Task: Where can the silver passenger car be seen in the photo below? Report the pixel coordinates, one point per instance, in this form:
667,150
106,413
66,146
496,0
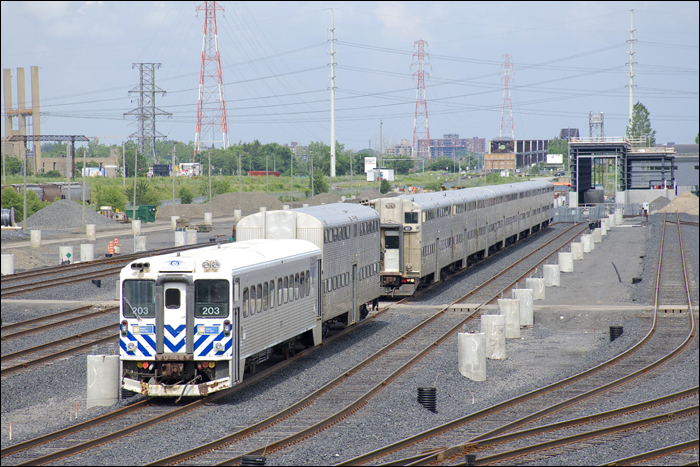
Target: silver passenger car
348,236
424,236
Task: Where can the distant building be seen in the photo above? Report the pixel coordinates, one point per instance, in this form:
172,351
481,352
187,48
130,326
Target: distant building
403,149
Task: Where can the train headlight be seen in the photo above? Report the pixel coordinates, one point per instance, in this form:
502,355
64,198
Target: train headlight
131,346
218,346
206,265
215,265
409,266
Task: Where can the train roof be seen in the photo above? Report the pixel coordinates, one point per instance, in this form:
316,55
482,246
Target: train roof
447,197
231,256
339,213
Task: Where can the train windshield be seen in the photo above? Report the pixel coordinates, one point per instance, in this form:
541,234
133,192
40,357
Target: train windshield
211,298
139,298
391,242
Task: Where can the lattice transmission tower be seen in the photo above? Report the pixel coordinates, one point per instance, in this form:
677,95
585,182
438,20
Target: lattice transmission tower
212,125
146,111
507,109
420,128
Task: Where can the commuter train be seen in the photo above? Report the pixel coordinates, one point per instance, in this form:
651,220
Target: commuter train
425,236
192,322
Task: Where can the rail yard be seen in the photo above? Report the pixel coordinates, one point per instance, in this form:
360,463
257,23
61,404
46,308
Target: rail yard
566,394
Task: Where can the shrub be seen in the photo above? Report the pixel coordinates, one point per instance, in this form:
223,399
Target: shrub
186,196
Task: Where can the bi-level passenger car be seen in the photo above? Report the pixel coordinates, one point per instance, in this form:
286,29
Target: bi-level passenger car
424,236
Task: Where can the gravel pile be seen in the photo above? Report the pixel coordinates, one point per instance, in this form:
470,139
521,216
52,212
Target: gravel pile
66,214
687,203
658,204
322,198
223,206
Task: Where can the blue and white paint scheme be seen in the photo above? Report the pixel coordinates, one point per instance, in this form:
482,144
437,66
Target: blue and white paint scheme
192,321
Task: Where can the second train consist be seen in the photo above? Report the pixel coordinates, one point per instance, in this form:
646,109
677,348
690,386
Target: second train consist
191,323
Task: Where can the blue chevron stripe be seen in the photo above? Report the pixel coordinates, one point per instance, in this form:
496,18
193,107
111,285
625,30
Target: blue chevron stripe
174,331
200,341
149,341
226,348
174,347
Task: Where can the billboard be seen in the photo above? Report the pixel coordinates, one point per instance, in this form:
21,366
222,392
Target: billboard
555,158
370,163
501,147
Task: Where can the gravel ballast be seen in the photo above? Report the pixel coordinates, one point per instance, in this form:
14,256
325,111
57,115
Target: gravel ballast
37,402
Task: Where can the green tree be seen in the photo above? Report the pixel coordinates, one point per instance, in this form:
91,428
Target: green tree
186,195
385,186
697,138
53,174
145,193
111,195
320,183
640,125
559,146
13,165
12,199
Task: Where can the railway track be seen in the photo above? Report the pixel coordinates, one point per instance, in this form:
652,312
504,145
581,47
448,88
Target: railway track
18,361
673,331
568,235
45,278
52,321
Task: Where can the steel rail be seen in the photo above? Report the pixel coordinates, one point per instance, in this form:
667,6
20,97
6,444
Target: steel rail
657,419
55,324
13,290
460,449
206,400
175,413
538,392
20,366
427,457
5,327
650,455
67,268
352,407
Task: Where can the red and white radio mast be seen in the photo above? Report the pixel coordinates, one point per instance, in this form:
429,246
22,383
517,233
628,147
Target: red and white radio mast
423,148
211,115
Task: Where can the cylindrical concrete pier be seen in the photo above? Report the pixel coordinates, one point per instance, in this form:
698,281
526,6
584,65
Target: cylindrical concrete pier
587,241
566,262
179,238
139,243
136,227
551,275
191,236
173,222
90,233
8,264
510,308
207,218
577,250
471,355
236,215
537,286
87,252
526,306
494,327
66,254
35,238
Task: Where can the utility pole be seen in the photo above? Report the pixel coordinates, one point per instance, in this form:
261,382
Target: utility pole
172,172
123,164
332,77
381,145
631,52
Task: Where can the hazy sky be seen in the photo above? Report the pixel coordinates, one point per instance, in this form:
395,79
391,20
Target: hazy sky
569,58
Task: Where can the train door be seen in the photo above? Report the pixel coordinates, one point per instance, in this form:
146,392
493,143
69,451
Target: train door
354,318
174,315
235,369
392,250
436,276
